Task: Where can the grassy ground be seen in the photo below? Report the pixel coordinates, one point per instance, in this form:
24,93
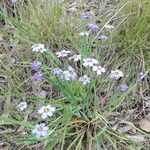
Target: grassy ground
92,117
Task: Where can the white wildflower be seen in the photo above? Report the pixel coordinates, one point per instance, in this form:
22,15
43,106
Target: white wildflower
46,111
89,62
85,33
40,130
38,48
85,79
103,37
75,58
98,69
22,106
107,26
116,74
63,53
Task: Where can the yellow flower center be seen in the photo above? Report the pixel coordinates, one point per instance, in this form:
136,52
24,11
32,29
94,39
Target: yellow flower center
40,129
46,110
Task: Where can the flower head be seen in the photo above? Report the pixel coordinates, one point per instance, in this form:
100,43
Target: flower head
46,111
75,58
22,106
37,76
85,79
116,74
40,130
83,16
92,26
89,62
36,65
109,26
84,33
57,71
103,37
70,74
140,75
63,53
123,87
98,69
38,48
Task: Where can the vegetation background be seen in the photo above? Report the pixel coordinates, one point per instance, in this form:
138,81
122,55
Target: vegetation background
94,117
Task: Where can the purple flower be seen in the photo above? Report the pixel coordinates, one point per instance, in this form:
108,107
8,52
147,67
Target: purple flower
123,87
140,75
70,74
92,26
57,71
37,76
36,65
83,16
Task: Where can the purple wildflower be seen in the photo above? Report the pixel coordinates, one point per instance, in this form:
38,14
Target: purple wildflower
36,65
37,76
123,87
57,71
83,16
92,26
70,74
140,75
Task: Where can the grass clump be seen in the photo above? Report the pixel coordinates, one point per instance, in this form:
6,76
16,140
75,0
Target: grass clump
86,86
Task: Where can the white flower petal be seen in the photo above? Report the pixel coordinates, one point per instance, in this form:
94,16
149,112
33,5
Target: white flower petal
52,109
50,114
44,115
34,131
41,110
44,133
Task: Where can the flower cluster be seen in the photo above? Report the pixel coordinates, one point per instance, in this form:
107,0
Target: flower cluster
36,64
40,130
93,27
70,73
